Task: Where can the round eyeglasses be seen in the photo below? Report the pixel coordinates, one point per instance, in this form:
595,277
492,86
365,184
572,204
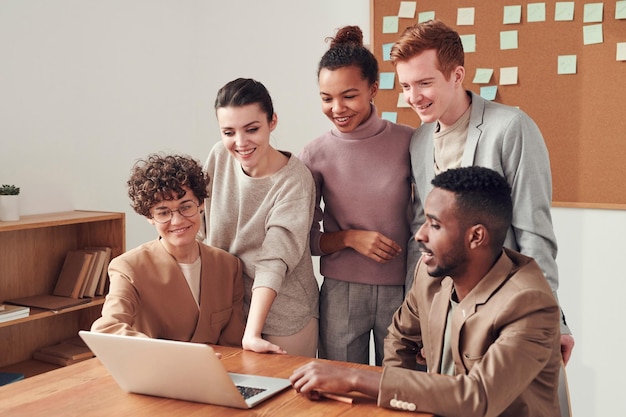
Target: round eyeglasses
164,215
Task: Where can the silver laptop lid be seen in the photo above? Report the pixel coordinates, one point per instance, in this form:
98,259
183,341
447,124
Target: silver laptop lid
173,369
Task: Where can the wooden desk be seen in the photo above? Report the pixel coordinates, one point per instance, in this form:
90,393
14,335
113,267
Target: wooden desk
87,389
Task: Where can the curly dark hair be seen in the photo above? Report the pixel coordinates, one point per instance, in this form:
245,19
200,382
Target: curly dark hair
347,49
482,196
162,177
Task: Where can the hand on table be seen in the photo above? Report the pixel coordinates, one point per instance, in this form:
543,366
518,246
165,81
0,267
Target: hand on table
318,376
260,345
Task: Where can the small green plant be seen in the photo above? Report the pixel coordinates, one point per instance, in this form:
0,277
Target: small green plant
9,190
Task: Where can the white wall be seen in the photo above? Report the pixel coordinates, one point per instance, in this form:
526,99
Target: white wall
87,86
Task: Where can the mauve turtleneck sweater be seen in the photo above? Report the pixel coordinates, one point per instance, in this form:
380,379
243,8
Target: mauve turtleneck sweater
363,178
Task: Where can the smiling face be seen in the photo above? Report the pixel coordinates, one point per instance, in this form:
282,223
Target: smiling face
428,92
179,234
245,133
346,96
441,238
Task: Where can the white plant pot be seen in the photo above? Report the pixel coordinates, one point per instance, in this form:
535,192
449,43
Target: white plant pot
9,208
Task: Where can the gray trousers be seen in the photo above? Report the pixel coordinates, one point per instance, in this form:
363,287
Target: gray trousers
349,312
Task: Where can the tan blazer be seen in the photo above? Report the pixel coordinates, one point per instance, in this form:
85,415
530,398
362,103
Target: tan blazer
149,296
505,344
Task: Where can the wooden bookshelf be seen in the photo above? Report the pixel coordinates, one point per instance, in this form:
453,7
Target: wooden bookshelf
32,251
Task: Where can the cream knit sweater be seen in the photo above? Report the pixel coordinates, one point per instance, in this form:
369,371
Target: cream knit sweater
266,222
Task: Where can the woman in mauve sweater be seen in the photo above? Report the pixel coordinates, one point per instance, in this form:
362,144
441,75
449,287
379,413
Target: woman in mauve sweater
260,208
362,172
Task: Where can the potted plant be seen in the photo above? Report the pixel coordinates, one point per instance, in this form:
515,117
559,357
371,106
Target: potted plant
9,207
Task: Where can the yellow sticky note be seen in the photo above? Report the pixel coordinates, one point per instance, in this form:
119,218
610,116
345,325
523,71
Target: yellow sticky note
620,10
483,75
592,12
592,34
566,64
407,9
508,39
508,76
512,14
536,12
465,16
401,101
621,51
564,11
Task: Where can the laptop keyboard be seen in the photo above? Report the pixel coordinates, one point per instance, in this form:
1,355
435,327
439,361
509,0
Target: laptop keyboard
248,392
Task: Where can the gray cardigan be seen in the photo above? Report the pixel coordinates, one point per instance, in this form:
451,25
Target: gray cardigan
508,141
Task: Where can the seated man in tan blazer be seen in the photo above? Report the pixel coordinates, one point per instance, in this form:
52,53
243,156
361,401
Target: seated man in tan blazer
173,287
482,316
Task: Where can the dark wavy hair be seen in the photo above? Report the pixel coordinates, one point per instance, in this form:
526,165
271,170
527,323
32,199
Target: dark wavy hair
347,49
162,177
243,91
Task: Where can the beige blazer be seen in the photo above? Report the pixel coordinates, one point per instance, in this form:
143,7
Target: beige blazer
149,296
505,343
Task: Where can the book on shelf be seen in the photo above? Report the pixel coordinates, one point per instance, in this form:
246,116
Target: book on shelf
49,302
76,340
68,350
10,312
64,353
82,277
98,275
87,289
57,360
102,281
73,274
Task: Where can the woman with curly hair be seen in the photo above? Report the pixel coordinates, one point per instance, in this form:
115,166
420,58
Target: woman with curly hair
173,287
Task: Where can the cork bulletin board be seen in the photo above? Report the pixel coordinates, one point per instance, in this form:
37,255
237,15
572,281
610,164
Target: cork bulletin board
581,111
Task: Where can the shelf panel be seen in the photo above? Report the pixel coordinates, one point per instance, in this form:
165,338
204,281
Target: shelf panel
38,313
30,367
32,252
36,221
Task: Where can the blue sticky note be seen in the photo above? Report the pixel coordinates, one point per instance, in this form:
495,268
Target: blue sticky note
386,80
592,12
387,51
592,34
489,92
392,116
390,24
564,11
620,9
469,43
426,16
508,39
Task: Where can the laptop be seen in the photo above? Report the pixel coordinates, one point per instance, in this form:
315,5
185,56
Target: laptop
181,370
